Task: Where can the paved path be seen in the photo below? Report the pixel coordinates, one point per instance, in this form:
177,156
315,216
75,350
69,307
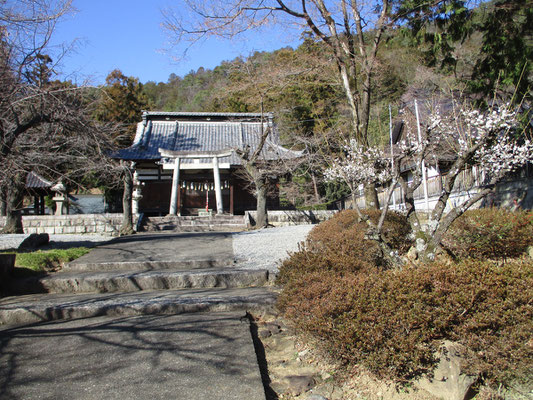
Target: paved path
189,356
149,344
163,247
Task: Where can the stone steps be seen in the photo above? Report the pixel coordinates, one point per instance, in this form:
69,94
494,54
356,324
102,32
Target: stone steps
218,223
197,228
143,274
47,307
155,357
147,265
134,281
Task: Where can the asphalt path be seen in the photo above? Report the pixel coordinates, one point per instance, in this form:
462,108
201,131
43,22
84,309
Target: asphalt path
185,356
162,247
188,356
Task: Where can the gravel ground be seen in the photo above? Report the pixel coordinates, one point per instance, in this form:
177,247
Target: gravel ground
266,248
56,241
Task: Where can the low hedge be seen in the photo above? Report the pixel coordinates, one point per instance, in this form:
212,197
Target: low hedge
393,321
490,233
338,244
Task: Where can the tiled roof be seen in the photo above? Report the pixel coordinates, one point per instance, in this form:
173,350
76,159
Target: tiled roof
201,133
34,181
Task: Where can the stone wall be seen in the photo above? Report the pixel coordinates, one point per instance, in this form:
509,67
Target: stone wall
291,217
79,223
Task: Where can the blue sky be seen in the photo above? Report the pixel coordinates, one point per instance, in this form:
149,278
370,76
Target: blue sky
126,34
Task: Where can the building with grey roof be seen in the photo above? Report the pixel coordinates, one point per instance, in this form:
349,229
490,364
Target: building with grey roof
186,162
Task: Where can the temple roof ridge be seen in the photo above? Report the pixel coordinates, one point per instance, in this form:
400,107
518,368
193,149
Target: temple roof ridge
205,115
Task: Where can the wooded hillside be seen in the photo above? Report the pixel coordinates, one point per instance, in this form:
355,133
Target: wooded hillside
489,50
485,51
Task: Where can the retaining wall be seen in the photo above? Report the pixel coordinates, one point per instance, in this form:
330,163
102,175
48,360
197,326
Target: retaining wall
78,223
291,217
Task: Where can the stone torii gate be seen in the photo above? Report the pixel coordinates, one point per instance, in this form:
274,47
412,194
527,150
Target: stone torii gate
178,156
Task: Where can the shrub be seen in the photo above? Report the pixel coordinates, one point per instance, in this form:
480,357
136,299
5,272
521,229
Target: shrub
392,321
396,229
490,233
339,245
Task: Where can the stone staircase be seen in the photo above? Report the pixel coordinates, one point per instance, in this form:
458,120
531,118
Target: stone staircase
89,289
217,223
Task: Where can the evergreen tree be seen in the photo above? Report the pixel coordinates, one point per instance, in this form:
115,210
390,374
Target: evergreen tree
122,101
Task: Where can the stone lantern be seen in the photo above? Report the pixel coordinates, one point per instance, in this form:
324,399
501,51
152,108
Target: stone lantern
61,198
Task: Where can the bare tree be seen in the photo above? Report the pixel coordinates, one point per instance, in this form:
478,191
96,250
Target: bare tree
352,30
45,125
127,212
253,78
258,175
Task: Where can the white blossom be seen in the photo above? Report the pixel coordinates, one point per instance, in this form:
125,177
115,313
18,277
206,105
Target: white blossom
488,139
466,128
359,165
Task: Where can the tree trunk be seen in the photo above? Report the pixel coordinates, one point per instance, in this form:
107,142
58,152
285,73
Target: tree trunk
262,216
127,216
375,234
371,196
14,199
3,202
315,188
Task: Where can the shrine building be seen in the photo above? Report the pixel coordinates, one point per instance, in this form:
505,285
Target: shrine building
185,163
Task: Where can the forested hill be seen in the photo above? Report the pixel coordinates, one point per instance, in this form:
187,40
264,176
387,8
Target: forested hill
301,85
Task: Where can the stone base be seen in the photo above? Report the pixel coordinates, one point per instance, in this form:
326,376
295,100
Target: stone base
74,223
448,381
292,217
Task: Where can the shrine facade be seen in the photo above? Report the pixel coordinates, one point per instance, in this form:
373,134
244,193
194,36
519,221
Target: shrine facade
186,164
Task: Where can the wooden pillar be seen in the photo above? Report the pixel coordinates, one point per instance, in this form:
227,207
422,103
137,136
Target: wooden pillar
218,189
175,188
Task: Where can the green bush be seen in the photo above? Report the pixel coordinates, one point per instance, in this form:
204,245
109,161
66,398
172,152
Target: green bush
490,233
392,321
315,207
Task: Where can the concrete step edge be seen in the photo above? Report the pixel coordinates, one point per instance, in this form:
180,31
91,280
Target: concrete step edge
196,218
132,281
148,265
40,308
195,223
213,226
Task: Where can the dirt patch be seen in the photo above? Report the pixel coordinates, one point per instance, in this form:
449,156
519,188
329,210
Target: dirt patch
298,370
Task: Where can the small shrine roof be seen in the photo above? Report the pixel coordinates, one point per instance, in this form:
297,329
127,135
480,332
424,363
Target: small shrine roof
35,181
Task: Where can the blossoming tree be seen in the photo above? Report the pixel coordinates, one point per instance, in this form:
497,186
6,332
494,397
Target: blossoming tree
491,140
